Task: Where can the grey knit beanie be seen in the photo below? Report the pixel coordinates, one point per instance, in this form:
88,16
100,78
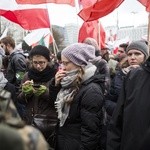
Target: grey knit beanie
79,53
139,45
92,42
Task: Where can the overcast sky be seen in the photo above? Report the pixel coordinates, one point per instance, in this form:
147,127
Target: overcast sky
130,12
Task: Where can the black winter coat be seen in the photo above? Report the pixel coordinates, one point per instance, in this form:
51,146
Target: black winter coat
11,88
82,129
113,94
131,119
39,110
16,68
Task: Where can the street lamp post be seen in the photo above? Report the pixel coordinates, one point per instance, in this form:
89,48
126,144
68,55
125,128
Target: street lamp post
133,15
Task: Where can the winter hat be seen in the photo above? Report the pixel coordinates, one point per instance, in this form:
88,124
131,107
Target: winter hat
40,50
79,53
139,45
92,42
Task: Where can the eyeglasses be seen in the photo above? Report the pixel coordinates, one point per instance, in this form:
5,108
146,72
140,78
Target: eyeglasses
38,62
65,63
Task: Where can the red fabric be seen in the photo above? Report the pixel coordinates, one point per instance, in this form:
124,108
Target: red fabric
91,29
69,2
100,9
86,3
146,3
102,36
115,50
28,19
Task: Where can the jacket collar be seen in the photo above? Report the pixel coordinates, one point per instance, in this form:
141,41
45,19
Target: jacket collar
146,65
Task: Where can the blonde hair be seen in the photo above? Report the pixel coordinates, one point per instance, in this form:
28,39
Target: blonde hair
79,78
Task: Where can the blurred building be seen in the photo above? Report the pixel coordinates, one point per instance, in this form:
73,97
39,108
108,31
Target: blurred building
133,33
71,33
14,30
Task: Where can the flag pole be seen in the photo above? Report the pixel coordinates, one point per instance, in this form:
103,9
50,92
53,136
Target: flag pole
77,7
148,37
54,43
51,32
99,36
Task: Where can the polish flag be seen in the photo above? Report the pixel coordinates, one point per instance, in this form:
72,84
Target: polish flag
29,17
69,2
86,3
146,3
98,10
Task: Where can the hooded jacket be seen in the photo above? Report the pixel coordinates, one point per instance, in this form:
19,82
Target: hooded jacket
16,68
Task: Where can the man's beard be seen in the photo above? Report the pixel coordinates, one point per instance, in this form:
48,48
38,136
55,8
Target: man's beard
6,53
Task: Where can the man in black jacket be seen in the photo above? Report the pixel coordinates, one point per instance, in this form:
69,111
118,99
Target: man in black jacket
131,121
16,63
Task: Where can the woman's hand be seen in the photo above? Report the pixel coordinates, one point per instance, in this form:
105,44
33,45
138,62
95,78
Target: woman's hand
59,75
28,82
27,87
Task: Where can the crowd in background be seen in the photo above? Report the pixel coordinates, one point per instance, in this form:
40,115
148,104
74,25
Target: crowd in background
84,98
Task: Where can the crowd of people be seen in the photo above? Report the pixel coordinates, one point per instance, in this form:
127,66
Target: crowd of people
89,99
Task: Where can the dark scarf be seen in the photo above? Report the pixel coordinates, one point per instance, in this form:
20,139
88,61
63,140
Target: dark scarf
41,76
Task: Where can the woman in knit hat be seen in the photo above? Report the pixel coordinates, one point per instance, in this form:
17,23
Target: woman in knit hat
79,100
130,122
40,111
137,53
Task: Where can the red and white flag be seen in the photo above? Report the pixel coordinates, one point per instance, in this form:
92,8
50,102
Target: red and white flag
99,9
29,17
69,2
146,3
86,3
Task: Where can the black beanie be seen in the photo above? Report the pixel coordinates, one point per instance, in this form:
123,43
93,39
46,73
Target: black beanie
139,45
40,50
